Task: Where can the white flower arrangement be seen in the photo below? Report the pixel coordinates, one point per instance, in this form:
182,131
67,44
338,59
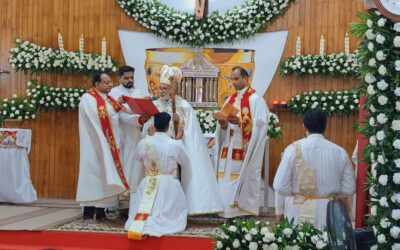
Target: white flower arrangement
237,23
208,123
342,102
250,234
379,69
341,64
32,58
40,97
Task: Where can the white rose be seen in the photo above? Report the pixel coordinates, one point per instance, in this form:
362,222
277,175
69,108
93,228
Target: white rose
381,22
382,100
397,105
397,162
382,119
396,41
380,39
232,228
253,246
396,178
381,159
380,55
374,210
380,135
254,231
383,179
372,121
396,144
248,237
369,78
371,90
382,70
396,125
236,243
370,46
394,232
219,245
372,140
370,35
397,65
287,232
396,27
273,246
372,62
383,202
395,198
264,230
369,23
396,214
382,85
381,238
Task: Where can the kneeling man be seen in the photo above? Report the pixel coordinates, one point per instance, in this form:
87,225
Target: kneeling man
159,207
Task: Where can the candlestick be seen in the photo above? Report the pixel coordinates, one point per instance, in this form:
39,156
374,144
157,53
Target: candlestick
81,44
60,42
322,46
347,45
104,48
298,46
275,105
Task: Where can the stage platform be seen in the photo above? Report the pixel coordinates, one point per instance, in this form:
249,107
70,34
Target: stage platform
58,224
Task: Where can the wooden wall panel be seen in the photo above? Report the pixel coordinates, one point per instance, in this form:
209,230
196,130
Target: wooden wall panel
55,151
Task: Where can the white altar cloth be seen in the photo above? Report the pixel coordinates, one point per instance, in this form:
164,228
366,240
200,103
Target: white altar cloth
15,182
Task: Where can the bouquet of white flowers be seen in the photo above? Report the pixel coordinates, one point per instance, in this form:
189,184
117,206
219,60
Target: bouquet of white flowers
208,123
274,131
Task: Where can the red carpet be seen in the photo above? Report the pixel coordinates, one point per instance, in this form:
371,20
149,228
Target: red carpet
55,240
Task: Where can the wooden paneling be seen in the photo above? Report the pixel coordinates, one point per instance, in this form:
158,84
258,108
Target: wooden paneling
55,152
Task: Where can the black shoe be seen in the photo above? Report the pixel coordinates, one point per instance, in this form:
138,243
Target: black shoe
100,213
88,213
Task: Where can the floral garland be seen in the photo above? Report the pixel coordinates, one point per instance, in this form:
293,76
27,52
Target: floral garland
30,57
40,97
252,235
380,57
327,65
208,123
237,23
342,102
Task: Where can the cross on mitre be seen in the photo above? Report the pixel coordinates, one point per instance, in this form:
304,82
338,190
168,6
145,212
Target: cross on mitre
201,9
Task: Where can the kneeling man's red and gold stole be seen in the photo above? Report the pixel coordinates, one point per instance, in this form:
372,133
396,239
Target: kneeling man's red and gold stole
107,129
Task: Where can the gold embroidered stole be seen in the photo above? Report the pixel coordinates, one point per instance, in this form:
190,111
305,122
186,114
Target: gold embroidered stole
107,130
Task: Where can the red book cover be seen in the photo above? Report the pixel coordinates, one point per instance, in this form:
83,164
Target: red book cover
141,106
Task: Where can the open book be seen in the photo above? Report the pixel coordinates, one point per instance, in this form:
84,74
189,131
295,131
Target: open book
141,106
228,110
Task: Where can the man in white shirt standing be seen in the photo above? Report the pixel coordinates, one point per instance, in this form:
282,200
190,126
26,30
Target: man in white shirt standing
101,171
130,135
311,171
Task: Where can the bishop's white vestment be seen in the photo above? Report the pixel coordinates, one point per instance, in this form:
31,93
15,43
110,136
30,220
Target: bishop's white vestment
199,181
130,137
239,155
159,206
312,170
101,173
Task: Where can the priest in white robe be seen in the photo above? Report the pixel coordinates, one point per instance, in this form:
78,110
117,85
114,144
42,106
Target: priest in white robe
130,135
239,149
311,171
159,207
101,172
198,182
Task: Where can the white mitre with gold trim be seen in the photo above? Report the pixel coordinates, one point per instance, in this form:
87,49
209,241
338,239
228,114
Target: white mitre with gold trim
170,74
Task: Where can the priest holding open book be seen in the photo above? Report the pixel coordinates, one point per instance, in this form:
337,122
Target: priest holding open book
240,142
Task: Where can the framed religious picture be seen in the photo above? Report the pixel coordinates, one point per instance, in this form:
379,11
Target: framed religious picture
389,8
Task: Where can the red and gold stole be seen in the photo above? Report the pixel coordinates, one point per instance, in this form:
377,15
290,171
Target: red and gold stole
107,130
245,113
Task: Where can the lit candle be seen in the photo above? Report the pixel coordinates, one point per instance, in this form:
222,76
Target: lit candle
104,48
298,46
60,42
347,45
275,104
81,44
322,46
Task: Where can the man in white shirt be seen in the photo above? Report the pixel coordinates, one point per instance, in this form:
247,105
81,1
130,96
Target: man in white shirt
239,149
159,208
130,135
101,171
311,171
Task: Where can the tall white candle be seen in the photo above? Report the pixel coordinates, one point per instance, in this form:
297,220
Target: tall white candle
298,46
81,44
104,48
60,42
347,45
322,46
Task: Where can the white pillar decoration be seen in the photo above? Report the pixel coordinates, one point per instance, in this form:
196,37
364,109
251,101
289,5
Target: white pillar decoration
60,42
298,46
104,48
81,44
322,46
347,45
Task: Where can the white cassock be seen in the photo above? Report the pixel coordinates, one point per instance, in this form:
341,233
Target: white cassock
334,174
130,137
198,182
238,163
160,198
99,182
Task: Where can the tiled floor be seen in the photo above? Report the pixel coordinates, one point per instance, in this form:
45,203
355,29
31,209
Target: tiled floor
66,215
